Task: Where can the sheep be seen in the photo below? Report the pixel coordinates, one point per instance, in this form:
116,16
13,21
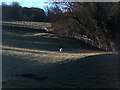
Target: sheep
61,50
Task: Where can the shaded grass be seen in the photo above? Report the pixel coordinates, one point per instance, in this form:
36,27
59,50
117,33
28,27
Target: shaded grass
30,59
44,41
33,76
98,71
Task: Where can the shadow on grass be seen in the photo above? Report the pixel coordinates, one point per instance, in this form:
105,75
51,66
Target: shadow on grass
33,76
100,71
17,71
43,43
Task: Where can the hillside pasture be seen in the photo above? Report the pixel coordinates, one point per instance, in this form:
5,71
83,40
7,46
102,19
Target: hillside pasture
33,60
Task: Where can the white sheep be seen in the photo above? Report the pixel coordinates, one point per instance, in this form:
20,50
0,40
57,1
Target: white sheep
60,49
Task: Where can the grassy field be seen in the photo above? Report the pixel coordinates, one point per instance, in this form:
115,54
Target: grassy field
36,25
33,60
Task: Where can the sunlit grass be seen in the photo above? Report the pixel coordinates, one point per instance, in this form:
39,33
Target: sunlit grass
45,56
47,35
22,43
28,24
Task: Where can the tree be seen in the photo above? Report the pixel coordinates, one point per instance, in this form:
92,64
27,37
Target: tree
15,10
98,21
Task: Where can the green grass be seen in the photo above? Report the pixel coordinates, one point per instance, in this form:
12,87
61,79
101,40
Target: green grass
29,57
43,41
25,39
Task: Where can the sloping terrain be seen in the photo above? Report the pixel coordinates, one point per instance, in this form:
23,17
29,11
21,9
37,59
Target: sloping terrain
33,60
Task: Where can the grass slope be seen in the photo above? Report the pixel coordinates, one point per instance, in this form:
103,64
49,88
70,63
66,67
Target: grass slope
33,60
44,41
